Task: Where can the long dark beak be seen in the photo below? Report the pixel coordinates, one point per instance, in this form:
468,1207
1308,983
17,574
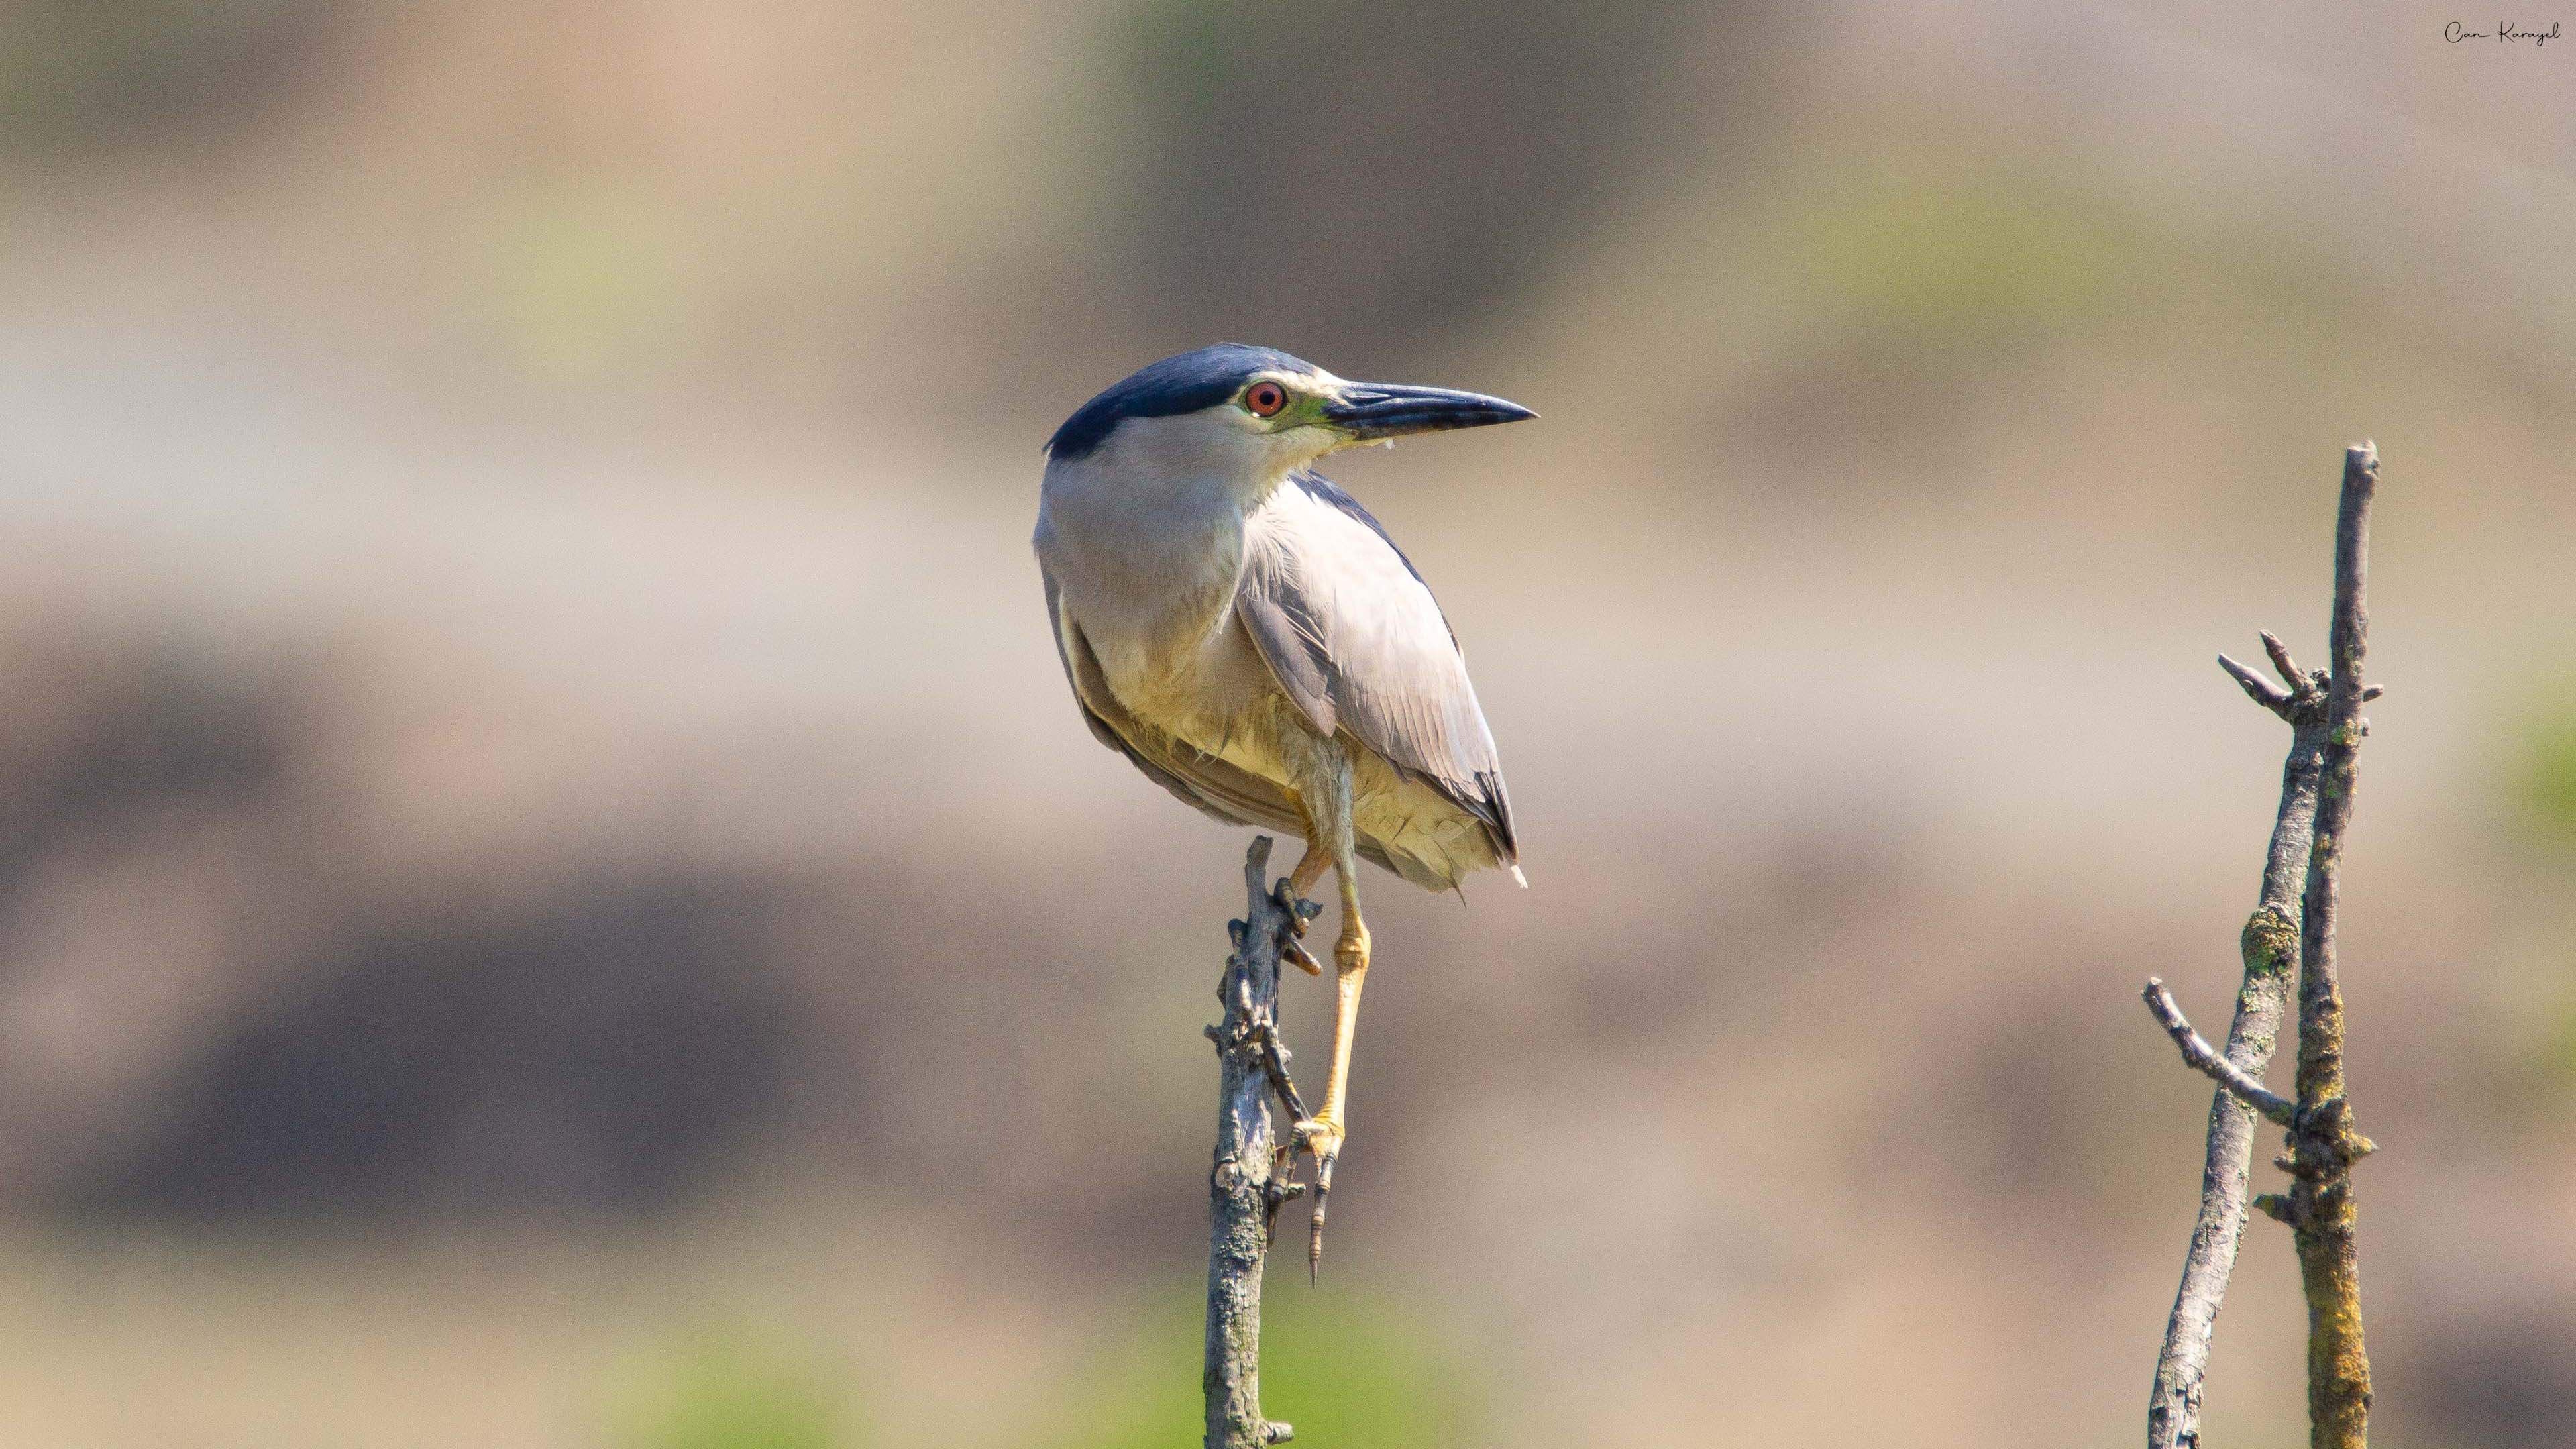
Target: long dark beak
1368,411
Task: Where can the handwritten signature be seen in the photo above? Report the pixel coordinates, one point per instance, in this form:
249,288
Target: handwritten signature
2505,31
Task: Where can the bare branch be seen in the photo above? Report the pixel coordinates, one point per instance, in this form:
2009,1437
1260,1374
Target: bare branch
2271,947
1248,1183
2263,691
2306,855
2287,667
2322,1212
2201,1057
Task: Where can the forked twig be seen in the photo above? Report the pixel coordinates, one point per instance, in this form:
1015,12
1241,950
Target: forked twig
2288,940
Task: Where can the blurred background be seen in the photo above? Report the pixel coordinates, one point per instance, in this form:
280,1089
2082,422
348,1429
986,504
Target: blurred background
552,893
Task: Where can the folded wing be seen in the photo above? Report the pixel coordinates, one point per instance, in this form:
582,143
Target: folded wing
1355,638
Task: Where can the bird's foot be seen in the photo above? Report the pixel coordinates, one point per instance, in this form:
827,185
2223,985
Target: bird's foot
1322,1136
1300,912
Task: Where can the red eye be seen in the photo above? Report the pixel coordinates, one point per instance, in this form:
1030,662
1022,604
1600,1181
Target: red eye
1265,399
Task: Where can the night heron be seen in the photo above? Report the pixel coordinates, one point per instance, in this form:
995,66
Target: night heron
1250,638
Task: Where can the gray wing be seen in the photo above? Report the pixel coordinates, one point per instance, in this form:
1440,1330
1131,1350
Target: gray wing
1202,782
1354,637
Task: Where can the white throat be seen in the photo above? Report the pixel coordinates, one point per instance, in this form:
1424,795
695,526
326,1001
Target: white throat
1144,534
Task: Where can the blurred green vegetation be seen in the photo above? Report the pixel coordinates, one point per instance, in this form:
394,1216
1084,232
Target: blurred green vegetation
2556,1060
2539,806
731,1387
2543,782
1347,1369
581,273
1959,258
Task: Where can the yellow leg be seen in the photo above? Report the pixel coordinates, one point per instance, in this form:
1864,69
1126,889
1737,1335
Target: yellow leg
1323,1133
1310,867
1351,955
1322,775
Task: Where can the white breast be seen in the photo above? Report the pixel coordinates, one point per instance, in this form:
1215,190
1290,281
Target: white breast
1145,540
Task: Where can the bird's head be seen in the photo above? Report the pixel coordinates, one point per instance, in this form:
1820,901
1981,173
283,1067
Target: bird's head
1254,414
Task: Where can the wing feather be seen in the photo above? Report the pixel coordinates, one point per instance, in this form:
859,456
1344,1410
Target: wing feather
1354,637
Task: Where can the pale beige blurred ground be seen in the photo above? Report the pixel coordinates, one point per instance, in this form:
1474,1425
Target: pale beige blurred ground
539,828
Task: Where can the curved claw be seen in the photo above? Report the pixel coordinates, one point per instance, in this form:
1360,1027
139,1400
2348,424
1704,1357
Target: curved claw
1294,952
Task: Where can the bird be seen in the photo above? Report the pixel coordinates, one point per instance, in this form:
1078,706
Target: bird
1252,640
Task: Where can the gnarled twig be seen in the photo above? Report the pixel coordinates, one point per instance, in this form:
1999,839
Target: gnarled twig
1248,1182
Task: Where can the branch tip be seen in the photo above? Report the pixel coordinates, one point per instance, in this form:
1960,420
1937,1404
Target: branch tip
2262,691
2282,664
